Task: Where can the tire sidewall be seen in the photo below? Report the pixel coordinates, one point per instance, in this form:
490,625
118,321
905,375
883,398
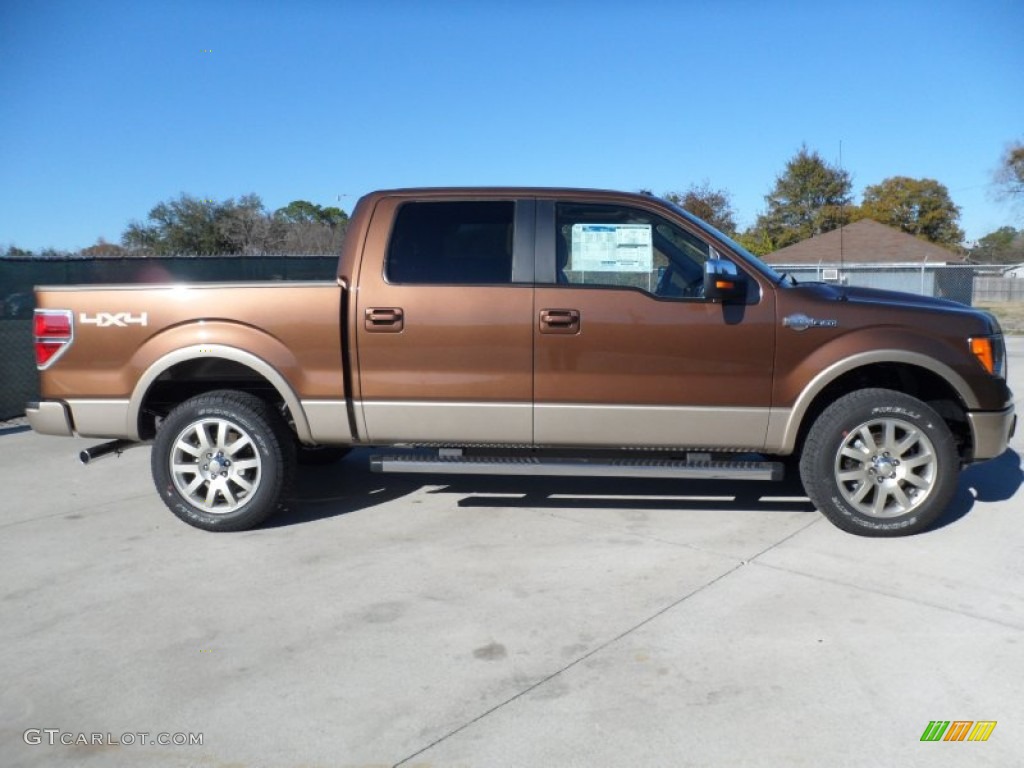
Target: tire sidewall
260,504
832,429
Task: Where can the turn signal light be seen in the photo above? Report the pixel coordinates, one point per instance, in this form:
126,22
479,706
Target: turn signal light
990,353
54,332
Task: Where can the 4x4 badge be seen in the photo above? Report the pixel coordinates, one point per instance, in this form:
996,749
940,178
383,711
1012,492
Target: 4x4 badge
802,322
113,319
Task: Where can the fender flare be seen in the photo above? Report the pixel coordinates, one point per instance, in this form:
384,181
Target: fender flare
196,351
784,423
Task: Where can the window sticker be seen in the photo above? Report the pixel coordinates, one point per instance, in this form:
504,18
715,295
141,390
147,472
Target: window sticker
611,248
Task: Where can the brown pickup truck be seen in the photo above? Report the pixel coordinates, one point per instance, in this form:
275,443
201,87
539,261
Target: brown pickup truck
531,332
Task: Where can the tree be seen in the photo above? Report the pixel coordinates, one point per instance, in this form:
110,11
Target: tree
333,216
249,229
756,241
194,226
305,212
312,229
920,207
1010,176
102,249
187,225
13,252
52,253
299,212
809,198
1004,246
712,205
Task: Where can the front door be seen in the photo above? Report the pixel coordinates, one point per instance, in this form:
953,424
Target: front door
628,353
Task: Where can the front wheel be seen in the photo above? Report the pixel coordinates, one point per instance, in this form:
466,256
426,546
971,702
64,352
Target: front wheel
880,463
222,460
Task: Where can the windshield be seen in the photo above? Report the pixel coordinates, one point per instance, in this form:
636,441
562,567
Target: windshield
753,260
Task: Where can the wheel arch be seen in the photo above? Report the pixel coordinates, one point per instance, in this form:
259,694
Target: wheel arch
168,381
912,373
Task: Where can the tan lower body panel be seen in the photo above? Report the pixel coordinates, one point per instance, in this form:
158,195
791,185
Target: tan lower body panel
328,421
642,426
991,432
783,427
595,426
457,423
102,418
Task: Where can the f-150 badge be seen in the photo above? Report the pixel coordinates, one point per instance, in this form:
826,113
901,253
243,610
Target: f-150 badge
113,319
801,322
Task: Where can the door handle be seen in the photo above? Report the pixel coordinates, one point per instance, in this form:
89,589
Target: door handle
384,320
559,321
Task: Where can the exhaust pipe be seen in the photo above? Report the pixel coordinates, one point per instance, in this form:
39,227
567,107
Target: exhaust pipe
105,449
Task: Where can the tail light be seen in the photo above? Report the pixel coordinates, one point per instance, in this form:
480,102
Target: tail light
54,332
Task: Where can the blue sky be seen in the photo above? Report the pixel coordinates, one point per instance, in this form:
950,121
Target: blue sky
109,108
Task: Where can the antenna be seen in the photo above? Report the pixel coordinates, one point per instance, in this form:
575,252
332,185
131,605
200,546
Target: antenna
842,215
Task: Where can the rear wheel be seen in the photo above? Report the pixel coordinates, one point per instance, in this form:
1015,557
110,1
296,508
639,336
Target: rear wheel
222,461
880,463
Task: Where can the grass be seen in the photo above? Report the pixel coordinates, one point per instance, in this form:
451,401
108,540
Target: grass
1010,314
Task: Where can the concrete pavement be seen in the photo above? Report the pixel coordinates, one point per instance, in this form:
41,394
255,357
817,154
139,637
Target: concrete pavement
473,621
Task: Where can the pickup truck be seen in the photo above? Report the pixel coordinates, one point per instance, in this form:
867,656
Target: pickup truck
531,332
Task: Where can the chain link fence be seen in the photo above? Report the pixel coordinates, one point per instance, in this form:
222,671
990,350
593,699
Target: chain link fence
19,382
969,285
954,282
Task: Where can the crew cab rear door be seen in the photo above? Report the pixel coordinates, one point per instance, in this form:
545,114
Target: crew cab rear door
628,352
445,321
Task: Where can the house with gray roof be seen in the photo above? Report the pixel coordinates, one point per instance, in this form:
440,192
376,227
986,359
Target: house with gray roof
864,242
874,255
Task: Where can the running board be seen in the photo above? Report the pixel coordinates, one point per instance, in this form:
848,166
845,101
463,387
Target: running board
529,465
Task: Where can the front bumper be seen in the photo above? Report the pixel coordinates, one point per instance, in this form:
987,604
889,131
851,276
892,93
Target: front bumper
991,432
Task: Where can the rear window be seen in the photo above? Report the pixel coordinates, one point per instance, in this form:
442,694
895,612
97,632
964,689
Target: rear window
451,243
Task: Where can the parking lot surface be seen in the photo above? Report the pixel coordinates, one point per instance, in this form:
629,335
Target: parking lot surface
468,621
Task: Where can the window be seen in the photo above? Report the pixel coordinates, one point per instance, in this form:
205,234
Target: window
452,243
610,245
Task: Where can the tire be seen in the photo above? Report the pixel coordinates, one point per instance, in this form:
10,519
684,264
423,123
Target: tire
880,463
238,482
321,455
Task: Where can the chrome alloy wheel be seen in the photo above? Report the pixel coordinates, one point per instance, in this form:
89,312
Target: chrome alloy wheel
886,467
215,465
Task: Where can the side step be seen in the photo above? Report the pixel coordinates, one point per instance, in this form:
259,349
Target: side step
531,465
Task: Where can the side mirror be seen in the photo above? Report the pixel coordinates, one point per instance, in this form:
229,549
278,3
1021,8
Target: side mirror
723,281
